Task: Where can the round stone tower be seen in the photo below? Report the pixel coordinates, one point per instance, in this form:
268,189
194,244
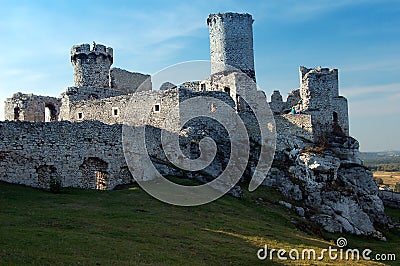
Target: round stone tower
91,66
231,42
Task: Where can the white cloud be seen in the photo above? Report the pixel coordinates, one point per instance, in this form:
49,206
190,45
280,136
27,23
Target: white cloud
365,91
390,65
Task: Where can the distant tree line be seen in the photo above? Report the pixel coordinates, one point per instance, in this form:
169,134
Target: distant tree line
381,160
390,167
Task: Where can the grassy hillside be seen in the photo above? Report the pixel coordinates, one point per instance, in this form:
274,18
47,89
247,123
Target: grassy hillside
128,227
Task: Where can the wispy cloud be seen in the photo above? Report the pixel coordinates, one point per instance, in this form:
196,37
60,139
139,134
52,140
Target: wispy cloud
365,91
387,64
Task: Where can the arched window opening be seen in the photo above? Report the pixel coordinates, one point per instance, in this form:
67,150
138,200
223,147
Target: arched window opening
17,113
50,113
335,117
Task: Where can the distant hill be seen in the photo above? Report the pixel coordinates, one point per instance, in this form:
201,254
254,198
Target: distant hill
382,161
381,154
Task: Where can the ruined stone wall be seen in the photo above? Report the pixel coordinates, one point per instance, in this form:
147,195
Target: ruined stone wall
29,107
340,106
76,153
193,85
299,125
112,110
158,106
74,94
129,82
319,94
185,94
278,106
318,87
231,42
234,83
91,66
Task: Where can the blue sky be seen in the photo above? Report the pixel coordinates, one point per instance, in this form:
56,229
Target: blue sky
361,38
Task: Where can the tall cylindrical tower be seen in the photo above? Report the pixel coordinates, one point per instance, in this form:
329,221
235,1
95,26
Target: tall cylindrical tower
91,66
231,42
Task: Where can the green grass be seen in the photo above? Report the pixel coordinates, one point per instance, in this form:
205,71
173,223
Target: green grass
129,227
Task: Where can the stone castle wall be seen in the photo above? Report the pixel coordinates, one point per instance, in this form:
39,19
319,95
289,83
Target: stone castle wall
340,105
129,82
74,94
112,110
91,66
319,92
278,106
157,106
76,153
299,125
318,87
87,154
231,42
29,107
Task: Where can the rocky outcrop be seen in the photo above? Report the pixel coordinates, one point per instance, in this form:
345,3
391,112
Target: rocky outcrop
329,183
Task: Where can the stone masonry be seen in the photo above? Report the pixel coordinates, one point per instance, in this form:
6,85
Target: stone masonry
76,139
231,42
101,94
91,66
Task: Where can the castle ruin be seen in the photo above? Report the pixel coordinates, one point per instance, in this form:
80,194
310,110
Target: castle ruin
77,137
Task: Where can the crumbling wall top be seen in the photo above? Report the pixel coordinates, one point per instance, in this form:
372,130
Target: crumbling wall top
305,72
212,18
97,49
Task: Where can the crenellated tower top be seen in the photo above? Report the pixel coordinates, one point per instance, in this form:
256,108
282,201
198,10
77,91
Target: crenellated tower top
91,65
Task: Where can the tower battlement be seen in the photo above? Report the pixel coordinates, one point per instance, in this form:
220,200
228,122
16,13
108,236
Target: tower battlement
85,50
91,66
213,18
317,72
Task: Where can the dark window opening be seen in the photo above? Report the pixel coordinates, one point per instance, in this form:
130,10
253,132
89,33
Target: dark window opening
80,115
227,90
335,117
157,108
115,112
17,113
50,113
203,87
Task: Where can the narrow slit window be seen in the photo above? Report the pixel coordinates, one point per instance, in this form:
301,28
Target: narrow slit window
157,108
17,113
115,112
